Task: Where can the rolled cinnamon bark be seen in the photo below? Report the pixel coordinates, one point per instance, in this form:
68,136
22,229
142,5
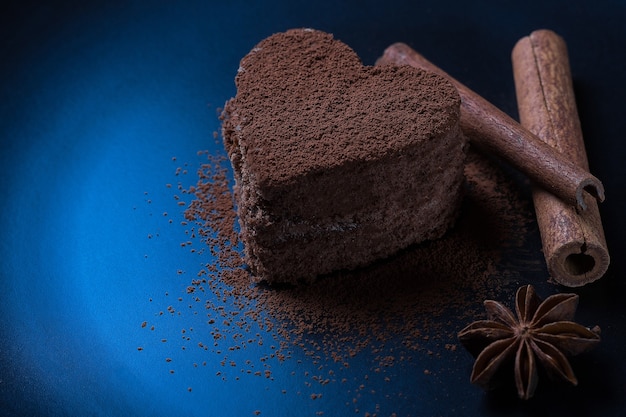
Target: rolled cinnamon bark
491,129
573,241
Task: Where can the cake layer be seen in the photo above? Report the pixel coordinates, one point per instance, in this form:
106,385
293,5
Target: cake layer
397,217
337,164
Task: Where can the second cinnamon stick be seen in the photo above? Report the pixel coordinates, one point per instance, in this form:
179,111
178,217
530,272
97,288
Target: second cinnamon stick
573,241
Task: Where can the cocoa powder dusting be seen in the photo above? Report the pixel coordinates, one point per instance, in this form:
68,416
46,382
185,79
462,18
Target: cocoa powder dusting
323,146
421,296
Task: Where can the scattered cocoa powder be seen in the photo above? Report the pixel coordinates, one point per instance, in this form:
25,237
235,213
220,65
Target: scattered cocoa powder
420,296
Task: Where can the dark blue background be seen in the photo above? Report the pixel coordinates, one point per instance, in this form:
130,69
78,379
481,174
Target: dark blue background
95,100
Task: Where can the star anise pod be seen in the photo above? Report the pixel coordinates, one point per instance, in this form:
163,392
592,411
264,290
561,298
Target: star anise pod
542,332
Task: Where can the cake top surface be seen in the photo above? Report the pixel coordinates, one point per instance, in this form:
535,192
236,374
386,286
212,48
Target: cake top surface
305,102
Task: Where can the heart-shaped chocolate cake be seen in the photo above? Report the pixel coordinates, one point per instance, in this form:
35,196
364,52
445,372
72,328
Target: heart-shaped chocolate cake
338,164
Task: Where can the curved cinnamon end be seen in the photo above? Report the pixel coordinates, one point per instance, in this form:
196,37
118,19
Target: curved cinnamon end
594,187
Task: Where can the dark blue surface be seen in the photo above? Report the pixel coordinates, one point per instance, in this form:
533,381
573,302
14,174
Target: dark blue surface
96,99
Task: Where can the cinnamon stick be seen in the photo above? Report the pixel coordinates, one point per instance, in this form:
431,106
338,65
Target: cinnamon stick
573,241
491,129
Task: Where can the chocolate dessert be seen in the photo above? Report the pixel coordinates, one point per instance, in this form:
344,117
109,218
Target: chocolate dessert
338,164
